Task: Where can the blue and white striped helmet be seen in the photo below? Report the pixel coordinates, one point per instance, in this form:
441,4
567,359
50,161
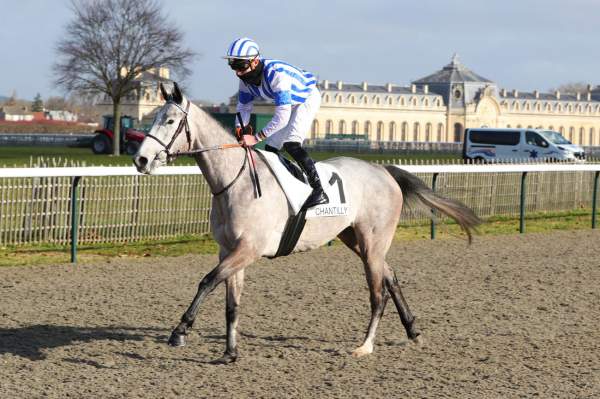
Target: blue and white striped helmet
244,48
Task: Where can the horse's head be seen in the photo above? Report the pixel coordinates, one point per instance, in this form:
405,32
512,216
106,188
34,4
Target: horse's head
169,133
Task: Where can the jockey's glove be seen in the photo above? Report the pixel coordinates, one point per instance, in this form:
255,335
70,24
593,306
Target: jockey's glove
247,130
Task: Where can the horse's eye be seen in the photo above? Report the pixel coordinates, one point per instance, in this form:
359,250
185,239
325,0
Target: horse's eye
170,121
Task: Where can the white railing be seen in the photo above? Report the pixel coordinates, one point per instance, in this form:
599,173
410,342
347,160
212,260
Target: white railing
117,204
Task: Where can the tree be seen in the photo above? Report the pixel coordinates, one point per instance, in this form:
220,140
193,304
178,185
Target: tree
38,104
571,88
110,42
56,103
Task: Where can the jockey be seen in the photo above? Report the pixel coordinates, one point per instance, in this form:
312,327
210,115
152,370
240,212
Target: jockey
297,100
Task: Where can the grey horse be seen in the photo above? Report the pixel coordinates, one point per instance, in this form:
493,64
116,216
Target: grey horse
248,228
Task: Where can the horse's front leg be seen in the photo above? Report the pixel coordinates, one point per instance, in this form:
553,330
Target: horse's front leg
243,255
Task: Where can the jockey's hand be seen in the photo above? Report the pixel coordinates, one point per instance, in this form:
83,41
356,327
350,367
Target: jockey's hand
239,132
248,140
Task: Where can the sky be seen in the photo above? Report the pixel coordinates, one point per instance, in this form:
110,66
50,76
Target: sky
519,44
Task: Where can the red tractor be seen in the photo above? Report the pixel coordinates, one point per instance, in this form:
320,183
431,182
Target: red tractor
131,139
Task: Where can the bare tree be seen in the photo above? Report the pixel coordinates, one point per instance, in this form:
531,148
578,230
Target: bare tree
109,43
571,88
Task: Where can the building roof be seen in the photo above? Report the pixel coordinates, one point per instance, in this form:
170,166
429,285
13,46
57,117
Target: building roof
451,73
358,88
15,110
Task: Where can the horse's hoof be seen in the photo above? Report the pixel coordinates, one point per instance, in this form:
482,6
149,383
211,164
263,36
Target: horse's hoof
176,339
362,351
418,340
227,358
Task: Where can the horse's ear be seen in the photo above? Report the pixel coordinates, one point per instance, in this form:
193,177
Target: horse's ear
164,92
177,96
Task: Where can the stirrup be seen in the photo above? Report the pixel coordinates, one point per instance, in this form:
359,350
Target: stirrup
315,198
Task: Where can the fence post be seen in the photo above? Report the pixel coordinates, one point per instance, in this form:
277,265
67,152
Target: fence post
74,218
433,183
522,207
594,198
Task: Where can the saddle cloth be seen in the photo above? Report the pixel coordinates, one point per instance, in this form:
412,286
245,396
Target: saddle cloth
297,192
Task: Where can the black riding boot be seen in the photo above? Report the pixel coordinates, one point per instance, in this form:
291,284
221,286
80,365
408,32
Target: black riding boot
318,196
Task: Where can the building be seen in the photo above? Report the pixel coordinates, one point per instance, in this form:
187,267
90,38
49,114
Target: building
438,107
15,113
143,100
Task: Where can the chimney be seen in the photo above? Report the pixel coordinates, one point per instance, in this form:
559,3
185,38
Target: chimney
589,96
503,93
365,86
413,88
515,93
340,85
590,87
325,85
578,96
536,93
426,89
557,94
388,87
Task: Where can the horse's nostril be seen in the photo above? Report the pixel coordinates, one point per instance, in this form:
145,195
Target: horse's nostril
142,161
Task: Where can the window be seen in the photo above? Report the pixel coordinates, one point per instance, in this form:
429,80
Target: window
440,132
581,135
571,133
416,131
561,130
402,101
591,140
404,131
352,100
368,129
532,138
329,127
326,98
496,137
392,132
342,127
355,127
458,132
428,132
379,131
314,133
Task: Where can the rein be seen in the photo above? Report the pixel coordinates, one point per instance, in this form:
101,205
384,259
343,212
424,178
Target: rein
183,123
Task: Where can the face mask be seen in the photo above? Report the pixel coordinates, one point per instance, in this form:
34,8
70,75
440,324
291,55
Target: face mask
253,77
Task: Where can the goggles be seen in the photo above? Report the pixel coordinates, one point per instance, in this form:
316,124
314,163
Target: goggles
239,64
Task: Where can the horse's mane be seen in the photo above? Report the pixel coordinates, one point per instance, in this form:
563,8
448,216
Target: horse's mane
211,123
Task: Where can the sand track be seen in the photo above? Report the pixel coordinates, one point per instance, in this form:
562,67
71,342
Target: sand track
512,316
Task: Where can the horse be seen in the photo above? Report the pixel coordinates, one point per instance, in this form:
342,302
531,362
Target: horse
247,227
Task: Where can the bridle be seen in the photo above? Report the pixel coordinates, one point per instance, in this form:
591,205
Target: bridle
183,124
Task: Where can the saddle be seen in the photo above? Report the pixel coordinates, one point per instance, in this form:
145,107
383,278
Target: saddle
291,166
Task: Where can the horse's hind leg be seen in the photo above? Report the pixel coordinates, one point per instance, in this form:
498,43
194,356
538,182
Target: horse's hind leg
372,257
233,288
408,320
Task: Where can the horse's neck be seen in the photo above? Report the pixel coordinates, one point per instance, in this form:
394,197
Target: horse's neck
219,167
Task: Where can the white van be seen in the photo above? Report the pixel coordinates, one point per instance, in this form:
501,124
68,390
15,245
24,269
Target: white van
505,145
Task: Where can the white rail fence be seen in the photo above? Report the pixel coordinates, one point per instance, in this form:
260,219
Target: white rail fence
117,204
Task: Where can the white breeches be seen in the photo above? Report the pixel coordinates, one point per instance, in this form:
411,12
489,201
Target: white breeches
300,122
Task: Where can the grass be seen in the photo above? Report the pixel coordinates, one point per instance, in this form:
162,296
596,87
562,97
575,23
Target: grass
20,156
39,255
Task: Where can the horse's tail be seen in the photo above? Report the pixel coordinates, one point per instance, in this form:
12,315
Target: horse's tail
414,188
